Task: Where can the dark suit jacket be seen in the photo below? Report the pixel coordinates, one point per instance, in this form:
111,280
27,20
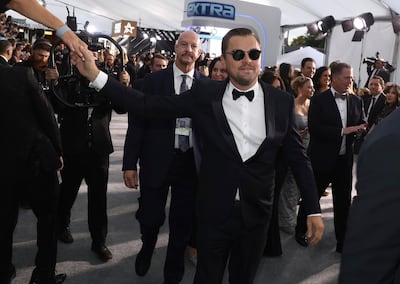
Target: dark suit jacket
371,249
30,136
325,128
377,108
3,61
222,170
77,132
151,141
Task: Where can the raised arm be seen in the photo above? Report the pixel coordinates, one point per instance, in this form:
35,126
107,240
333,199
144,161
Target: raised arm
36,12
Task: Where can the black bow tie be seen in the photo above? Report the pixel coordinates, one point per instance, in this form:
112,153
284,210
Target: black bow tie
249,95
340,96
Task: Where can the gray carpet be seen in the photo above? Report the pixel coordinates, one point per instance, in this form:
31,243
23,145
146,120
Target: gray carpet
319,264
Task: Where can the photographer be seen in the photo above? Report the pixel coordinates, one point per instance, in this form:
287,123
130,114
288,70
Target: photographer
376,67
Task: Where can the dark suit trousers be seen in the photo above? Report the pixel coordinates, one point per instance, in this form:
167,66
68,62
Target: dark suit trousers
341,179
182,180
232,240
42,193
94,169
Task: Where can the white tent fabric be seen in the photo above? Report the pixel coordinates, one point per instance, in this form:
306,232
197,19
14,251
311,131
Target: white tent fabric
295,57
168,14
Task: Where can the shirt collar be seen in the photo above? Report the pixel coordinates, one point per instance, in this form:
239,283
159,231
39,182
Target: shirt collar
178,72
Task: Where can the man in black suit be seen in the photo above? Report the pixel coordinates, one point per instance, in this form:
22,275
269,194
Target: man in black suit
375,100
333,119
371,248
30,162
87,145
242,124
163,164
6,50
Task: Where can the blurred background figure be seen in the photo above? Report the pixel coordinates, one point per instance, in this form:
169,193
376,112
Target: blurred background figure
217,70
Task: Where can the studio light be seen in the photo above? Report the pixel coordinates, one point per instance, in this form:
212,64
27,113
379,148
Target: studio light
363,22
322,26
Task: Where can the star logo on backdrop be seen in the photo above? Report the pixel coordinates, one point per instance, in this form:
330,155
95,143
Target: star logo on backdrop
128,28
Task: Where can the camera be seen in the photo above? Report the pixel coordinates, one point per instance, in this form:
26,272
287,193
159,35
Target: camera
73,89
370,61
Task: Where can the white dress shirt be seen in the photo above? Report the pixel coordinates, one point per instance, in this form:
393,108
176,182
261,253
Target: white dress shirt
342,107
246,119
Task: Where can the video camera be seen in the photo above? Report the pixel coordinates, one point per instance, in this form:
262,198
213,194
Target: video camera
73,88
370,61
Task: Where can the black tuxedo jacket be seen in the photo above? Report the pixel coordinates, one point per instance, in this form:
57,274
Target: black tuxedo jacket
30,137
151,141
325,128
376,109
222,171
372,246
78,132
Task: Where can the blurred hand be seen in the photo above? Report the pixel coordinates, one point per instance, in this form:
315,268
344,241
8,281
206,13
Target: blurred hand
131,179
74,43
85,63
315,229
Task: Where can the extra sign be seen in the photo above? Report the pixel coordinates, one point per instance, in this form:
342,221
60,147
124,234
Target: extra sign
211,9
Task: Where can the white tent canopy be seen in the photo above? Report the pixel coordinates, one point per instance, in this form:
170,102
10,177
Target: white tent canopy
295,57
168,15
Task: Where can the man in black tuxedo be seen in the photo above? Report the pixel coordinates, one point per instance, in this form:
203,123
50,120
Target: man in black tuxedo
154,143
242,124
30,162
371,248
6,50
375,100
333,119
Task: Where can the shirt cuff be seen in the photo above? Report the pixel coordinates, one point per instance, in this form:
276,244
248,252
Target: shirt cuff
315,215
99,82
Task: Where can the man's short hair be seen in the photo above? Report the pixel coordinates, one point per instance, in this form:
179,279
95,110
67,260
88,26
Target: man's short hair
337,68
305,60
236,32
380,79
42,44
159,56
4,45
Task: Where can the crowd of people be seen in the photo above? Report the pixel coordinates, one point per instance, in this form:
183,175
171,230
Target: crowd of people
242,153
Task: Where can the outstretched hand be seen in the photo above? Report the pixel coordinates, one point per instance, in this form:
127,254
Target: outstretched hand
84,60
315,229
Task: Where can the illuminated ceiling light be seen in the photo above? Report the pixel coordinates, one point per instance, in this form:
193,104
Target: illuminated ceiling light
363,22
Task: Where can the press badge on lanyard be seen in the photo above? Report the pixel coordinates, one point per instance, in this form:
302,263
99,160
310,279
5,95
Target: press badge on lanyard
183,126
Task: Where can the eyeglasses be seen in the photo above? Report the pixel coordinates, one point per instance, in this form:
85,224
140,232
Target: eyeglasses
238,54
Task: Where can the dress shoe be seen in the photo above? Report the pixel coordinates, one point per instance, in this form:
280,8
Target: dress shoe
102,252
45,278
301,240
64,235
143,259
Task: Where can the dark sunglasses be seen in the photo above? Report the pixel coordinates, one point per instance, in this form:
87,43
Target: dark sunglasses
238,54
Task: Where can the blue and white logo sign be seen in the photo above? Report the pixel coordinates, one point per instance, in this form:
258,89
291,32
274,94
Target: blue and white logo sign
211,9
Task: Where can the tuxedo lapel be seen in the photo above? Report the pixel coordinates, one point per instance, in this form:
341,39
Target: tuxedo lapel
222,121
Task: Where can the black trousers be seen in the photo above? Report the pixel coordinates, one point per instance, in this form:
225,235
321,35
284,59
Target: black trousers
341,178
94,169
182,181
42,192
232,240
